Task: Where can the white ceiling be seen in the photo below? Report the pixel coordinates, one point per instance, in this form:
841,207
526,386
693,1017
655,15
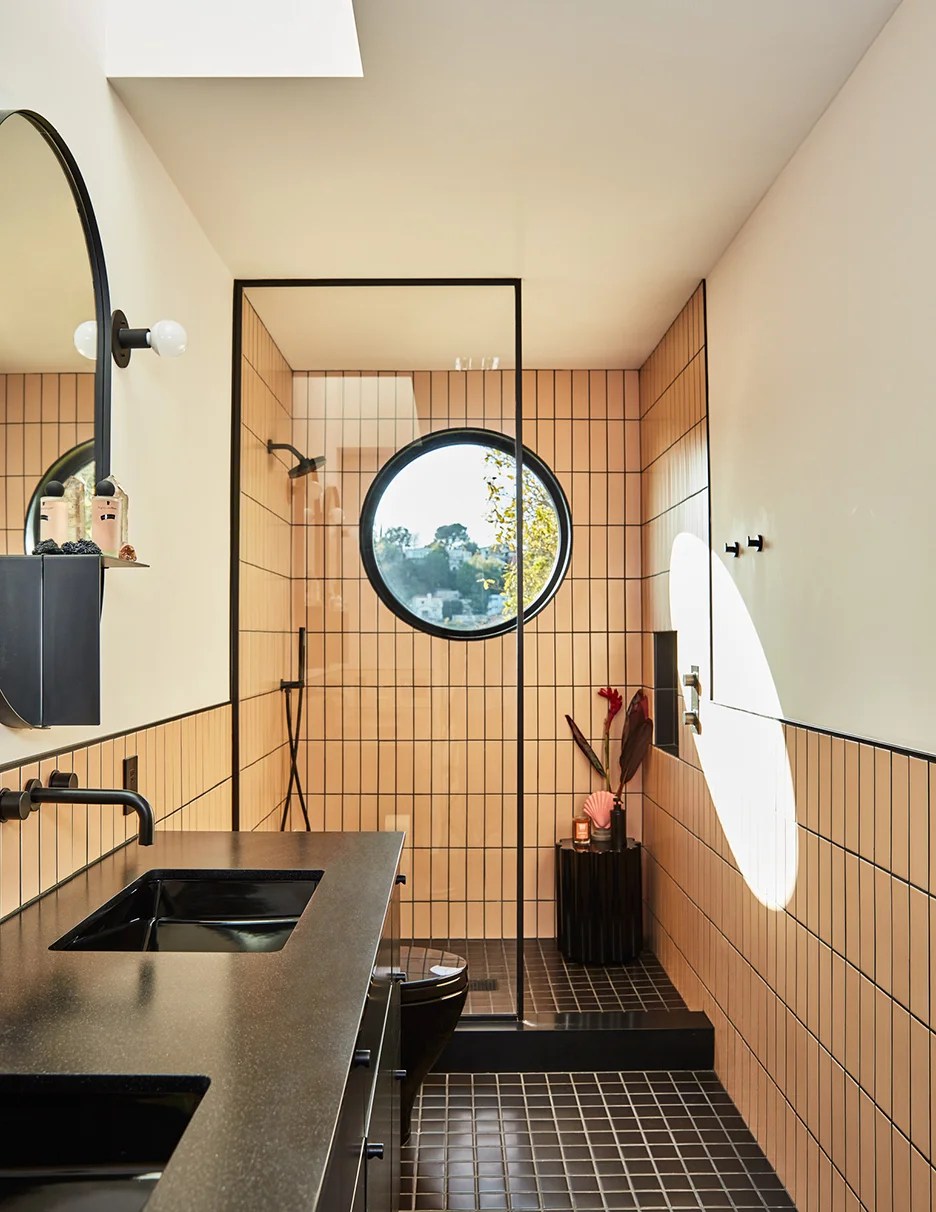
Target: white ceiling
605,151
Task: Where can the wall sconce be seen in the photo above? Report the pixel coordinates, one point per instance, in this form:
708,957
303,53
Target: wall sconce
166,338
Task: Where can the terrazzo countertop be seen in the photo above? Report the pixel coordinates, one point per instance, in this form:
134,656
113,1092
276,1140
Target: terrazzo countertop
274,1033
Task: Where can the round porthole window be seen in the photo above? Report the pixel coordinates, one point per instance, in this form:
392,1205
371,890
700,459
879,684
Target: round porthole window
439,534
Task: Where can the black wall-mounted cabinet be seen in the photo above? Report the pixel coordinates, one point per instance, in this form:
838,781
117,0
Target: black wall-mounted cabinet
50,640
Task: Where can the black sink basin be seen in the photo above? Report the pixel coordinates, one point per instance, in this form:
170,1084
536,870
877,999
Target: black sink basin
197,911
89,1142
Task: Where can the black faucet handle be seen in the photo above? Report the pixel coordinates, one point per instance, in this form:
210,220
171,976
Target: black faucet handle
60,779
15,805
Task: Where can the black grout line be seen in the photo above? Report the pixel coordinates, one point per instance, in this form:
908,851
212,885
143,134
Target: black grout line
806,1029
604,1141
799,921
555,985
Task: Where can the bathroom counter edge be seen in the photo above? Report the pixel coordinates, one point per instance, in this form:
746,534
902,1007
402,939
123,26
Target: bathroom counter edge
274,1033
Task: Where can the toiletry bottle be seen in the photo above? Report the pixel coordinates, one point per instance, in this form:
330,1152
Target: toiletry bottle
618,827
581,832
109,517
53,514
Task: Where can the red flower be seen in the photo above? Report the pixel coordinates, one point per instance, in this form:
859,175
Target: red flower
615,703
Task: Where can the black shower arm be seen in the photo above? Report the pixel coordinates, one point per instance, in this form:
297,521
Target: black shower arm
271,446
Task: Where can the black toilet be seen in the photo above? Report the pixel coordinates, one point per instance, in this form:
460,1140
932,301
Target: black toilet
433,996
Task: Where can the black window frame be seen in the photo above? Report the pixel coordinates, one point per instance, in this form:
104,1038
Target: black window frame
438,440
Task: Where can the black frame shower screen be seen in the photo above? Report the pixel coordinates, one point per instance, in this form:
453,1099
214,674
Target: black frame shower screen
514,284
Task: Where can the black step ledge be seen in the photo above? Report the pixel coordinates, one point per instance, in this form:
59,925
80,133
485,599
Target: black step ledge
615,1040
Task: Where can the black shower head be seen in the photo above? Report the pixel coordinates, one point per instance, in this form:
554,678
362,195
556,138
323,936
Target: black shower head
304,466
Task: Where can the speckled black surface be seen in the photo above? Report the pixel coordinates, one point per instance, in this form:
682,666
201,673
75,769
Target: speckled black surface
274,1033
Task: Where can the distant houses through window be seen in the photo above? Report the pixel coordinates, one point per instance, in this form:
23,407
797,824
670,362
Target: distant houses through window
439,534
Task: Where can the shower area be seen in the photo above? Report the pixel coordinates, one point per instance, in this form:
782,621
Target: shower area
382,674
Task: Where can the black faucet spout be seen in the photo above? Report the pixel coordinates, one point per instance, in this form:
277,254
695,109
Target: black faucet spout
103,795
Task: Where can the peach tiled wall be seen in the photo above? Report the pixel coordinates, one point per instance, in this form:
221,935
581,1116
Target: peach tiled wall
267,652
184,771
823,1012
41,417
408,731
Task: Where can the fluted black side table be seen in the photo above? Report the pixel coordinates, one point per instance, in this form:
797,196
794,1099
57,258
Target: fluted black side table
598,903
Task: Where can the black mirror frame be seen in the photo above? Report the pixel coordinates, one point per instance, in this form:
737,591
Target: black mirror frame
102,304
464,437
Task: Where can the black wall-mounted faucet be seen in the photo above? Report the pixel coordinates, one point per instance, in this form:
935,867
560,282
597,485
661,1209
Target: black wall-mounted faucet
63,789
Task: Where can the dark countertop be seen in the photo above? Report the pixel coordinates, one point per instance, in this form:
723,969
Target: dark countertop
274,1032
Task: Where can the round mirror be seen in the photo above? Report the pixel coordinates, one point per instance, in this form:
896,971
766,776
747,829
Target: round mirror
439,534
50,396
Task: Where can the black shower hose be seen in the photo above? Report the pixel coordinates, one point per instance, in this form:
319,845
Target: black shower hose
295,780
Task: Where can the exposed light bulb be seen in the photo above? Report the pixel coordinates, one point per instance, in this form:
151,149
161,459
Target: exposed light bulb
86,339
168,339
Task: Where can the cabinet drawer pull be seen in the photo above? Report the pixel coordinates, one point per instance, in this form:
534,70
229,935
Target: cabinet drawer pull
362,1058
399,1074
373,1151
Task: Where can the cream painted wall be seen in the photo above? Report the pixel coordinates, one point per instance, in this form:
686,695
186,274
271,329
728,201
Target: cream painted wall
821,322
166,628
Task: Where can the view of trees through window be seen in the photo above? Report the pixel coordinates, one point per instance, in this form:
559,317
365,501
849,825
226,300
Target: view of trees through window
445,536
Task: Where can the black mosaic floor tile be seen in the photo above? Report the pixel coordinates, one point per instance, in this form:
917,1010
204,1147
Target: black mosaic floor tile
555,985
567,1142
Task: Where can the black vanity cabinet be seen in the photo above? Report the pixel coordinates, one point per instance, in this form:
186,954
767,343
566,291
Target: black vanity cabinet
364,1168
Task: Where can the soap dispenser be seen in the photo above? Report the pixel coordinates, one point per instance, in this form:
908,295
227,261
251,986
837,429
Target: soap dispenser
109,517
53,514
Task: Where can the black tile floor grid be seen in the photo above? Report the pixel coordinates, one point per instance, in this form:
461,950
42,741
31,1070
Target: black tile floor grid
557,985
536,1142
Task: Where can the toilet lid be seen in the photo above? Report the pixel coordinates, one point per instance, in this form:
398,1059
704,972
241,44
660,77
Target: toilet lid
430,965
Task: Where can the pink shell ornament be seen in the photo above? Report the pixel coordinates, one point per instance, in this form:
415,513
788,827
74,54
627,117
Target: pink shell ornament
598,806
